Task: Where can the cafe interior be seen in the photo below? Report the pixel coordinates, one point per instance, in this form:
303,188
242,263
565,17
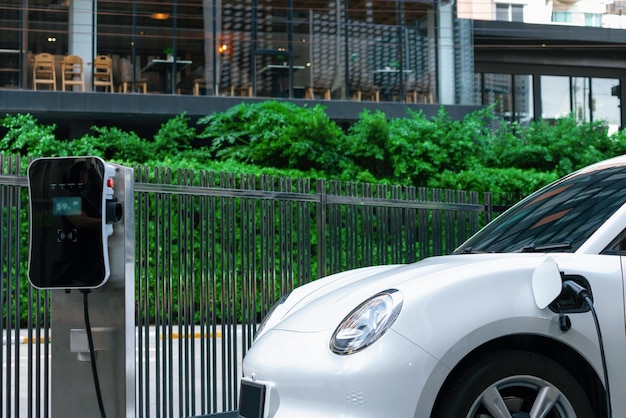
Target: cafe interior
358,50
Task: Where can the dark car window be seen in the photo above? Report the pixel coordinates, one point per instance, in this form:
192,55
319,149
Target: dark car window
560,217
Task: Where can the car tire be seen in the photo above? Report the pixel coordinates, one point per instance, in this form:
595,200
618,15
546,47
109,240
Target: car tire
517,381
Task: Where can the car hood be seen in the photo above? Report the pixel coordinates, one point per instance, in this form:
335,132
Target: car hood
322,304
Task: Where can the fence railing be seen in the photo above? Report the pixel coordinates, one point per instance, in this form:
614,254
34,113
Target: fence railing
213,253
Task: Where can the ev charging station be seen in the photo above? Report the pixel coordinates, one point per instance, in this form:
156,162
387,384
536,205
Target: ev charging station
82,248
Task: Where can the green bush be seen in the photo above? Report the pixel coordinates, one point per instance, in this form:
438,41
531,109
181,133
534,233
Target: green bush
496,180
25,136
276,134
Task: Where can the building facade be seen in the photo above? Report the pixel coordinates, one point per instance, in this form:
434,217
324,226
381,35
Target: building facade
547,59
531,58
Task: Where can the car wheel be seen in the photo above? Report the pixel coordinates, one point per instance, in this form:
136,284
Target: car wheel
516,384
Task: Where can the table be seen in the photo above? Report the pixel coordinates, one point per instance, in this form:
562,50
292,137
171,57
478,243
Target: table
387,79
280,78
166,67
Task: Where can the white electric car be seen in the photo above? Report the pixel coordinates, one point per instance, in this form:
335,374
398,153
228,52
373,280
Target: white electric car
525,319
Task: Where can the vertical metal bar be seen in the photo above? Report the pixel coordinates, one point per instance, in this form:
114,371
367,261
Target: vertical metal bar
202,289
462,219
321,208
335,247
411,228
189,275
178,293
158,301
395,225
15,327
213,284
424,225
303,222
487,196
5,386
437,225
142,295
382,234
474,216
263,232
249,285
351,236
367,230
169,299
228,274
449,232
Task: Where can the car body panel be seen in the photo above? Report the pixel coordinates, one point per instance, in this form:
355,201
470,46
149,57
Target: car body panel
473,283
329,389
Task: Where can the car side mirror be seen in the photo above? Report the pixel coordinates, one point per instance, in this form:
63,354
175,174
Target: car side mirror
546,283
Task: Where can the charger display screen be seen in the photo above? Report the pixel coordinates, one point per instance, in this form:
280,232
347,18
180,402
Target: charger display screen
66,206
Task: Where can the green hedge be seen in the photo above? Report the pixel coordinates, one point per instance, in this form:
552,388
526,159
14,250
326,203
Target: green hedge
478,153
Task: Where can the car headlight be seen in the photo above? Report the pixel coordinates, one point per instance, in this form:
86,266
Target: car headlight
367,322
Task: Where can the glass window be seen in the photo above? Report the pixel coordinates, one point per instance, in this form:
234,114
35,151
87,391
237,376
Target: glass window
555,97
391,45
593,19
580,98
497,90
478,88
509,12
517,13
561,17
502,12
605,104
560,217
9,44
523,99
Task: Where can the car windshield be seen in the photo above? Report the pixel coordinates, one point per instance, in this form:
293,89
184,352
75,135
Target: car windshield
559,217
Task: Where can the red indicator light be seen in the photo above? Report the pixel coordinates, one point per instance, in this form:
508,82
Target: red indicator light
110,182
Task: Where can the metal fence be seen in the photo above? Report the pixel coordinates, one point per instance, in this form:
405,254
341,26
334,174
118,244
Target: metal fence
213,253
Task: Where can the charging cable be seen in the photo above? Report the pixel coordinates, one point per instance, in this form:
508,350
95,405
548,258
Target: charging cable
582,294
92,353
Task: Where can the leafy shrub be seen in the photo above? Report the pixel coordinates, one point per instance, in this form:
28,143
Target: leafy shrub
174,136
25,136
561,146
496,180
276,134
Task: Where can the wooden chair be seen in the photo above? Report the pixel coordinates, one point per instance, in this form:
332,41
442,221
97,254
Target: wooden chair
43,71
198,83
312,92
321,82
125,71
103,73
361,85
420,89
72,72
192,82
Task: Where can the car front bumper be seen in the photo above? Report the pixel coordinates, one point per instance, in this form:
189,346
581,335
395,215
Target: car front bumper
295,374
